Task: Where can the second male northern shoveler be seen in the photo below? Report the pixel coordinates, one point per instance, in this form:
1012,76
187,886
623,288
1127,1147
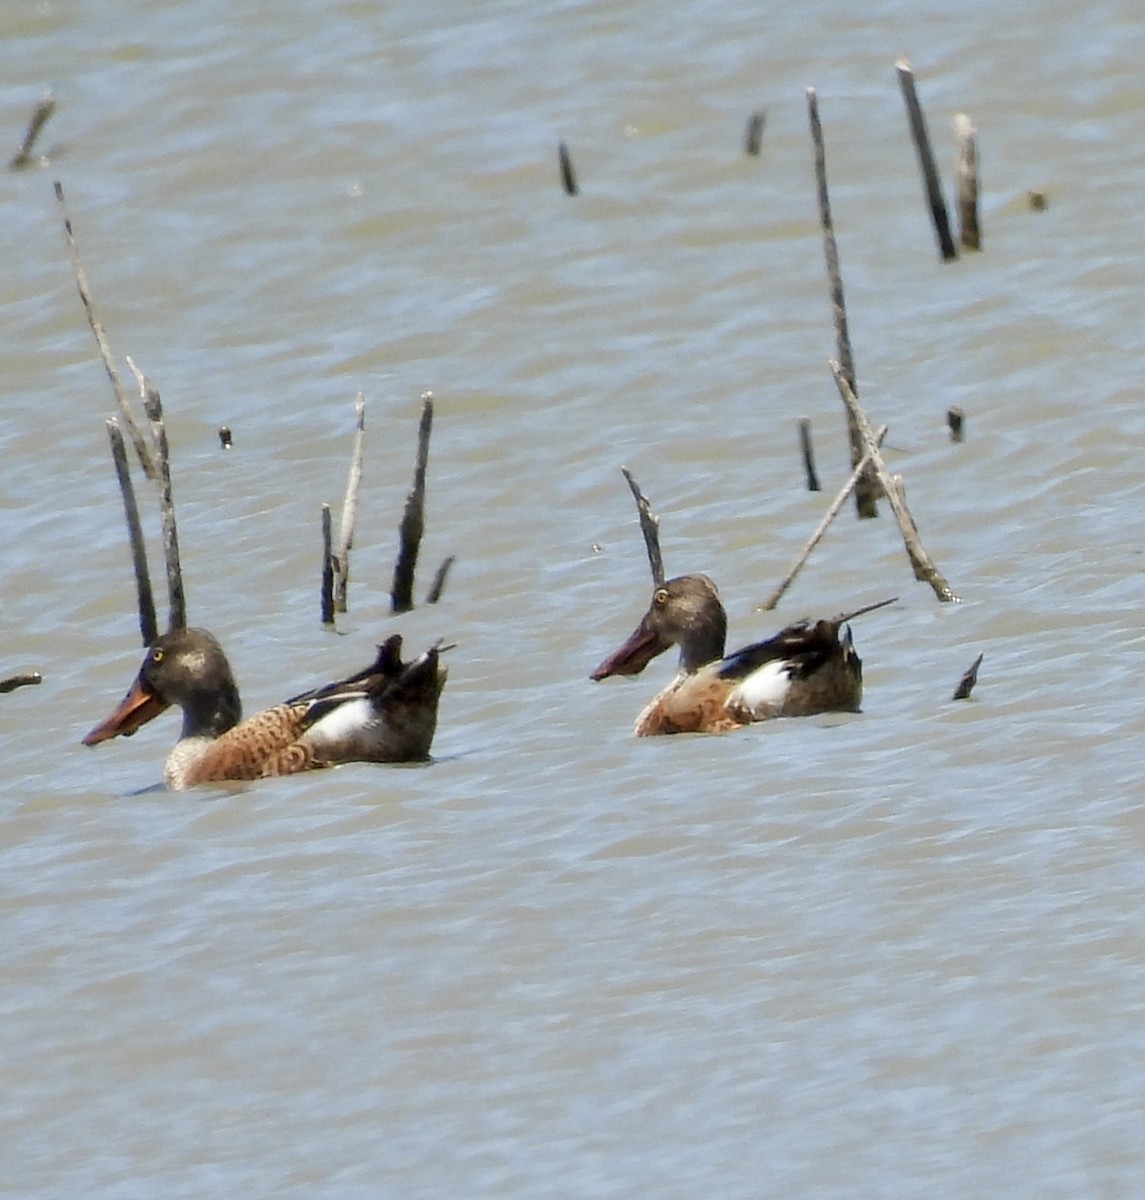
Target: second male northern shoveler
385,713
806,668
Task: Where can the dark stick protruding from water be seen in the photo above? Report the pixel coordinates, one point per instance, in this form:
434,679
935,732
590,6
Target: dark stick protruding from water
153,406
867,488
568,175
968,680
326,597
142,452
148,624
649,527
413,519
955,419
438,585
349,508
820,529
931,183
920,560
40,117
808,454
225,436
969,231
753,138
24,679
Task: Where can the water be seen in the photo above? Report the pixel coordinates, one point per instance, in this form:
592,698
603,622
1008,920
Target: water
896,953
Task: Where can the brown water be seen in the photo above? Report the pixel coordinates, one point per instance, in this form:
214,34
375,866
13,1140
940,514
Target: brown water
896,954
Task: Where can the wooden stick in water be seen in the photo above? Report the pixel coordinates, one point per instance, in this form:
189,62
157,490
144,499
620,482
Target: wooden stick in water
808,454
926,161
649,527
438,585
968,680
153,406
866,490
148,625
923,564
146,461
955,420
753,139
568,175
326,597
24,679
349,509
40,117
969,233
820,529
413,519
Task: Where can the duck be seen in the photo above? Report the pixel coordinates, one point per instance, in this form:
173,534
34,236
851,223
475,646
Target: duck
804,669
387,712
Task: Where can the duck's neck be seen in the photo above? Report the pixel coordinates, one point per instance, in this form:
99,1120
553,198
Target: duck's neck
705,644
210,713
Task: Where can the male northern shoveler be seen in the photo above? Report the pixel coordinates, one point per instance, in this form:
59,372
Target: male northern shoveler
385,713
806,668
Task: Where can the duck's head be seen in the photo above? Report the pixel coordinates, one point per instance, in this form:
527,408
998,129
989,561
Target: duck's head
685,612
186,667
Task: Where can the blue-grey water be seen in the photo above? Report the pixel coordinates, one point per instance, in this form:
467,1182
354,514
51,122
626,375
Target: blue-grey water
898,954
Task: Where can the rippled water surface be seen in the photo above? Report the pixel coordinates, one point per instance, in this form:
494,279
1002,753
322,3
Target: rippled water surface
895,954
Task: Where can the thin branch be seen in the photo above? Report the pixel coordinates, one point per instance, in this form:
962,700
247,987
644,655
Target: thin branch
326,595
831,513
968,680
349,508
649,527
866,490
568,175
926,162
153,406
148,625
438,585
923,564
40,117
24,679
753,138
969,231
808,454
413,519
146,461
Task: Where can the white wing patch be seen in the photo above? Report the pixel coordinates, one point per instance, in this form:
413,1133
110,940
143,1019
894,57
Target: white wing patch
342,724
764,691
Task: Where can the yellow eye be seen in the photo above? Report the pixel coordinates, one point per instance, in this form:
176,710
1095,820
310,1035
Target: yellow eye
157,655
661,597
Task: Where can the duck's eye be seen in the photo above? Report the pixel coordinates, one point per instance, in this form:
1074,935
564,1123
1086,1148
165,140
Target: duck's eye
156,655
661,597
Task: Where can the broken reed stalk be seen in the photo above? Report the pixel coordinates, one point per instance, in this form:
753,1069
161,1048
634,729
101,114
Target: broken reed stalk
753,138
930,180
969,233
438,585
40,117
568,175
413,519
820,529
326,598
922,563
968,680
146,461
649,527
866,490
153,407
148,624
955,420
24,679
349,509
808,454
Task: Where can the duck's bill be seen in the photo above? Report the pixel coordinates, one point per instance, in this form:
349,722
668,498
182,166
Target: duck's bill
135,709
636,653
